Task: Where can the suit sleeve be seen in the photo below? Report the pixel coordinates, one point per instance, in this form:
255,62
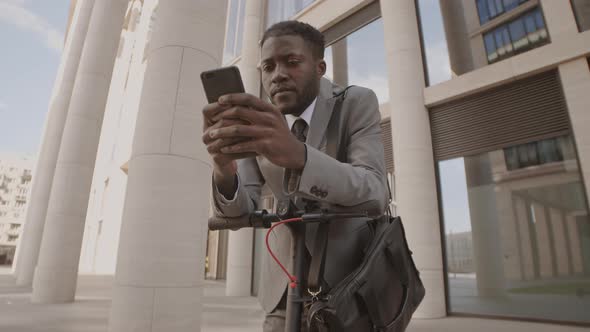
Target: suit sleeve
247,196
362,179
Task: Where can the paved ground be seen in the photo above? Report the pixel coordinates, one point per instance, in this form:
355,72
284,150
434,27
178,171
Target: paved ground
221,314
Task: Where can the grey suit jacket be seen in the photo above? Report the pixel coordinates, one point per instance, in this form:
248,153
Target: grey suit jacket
360,180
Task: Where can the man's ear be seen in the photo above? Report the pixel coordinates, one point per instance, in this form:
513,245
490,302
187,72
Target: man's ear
321,67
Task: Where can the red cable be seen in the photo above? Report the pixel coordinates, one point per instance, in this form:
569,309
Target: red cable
291,277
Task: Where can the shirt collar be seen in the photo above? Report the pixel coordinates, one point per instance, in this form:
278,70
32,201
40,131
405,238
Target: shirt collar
306,115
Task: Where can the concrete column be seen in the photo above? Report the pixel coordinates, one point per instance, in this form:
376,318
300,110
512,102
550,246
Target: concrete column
573,238
416,190
559,241
340,62
484,215
47,158
526,246
543,240
57,268
559,18
241,243
457,36
160,264
575,80
509,233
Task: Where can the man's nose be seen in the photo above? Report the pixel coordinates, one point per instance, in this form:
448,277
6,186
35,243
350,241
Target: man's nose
279,74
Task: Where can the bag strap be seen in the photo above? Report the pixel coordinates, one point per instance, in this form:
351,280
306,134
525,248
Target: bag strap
336,149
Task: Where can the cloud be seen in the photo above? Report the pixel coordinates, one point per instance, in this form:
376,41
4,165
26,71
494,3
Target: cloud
14,12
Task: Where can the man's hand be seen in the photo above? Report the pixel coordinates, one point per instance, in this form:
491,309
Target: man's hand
224,166
255,127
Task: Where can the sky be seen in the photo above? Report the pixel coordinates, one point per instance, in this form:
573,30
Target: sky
31,35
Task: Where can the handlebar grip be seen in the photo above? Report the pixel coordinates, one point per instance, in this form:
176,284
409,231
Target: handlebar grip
218,223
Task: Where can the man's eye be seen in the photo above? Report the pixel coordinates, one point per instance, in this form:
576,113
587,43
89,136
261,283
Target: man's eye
267,68
294,62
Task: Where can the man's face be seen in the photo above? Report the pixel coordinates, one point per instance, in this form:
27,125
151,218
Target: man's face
290,73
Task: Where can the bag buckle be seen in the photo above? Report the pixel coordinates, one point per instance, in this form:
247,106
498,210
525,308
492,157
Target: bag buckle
314,295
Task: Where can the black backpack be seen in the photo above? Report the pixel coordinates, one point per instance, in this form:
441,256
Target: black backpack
381,294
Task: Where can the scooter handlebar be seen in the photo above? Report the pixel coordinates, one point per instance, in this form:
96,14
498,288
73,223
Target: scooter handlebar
264,219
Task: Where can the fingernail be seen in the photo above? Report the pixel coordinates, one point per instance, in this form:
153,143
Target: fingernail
213,133
222,99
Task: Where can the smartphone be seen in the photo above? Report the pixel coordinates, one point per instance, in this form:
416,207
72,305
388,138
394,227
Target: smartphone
221,81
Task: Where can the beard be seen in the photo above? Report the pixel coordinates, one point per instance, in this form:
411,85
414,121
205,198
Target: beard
303,99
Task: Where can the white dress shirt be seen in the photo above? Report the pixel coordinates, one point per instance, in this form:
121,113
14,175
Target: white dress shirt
306,115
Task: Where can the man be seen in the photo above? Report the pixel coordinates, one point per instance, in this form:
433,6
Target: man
283,145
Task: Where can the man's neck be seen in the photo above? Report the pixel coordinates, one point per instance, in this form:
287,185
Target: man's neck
306,115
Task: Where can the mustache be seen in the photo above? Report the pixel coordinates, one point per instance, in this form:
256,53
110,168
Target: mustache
278,89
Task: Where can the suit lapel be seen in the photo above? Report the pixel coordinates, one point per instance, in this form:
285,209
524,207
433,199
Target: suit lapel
321,114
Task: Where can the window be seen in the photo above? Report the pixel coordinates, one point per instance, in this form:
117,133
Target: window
516,239
359,59
234,30
538,153
490,9
518,34
522,34
280,10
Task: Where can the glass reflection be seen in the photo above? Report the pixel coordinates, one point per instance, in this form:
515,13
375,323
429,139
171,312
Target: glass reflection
359,59
517,232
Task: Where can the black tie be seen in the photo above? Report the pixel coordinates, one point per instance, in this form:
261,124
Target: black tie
299,129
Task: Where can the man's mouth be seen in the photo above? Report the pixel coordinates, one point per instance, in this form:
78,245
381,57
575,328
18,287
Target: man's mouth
281,90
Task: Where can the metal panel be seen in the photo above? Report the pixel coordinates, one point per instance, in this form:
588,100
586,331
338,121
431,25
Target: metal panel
527,110
387,144
352,23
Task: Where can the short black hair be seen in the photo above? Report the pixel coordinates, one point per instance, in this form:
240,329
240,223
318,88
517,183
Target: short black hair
312,37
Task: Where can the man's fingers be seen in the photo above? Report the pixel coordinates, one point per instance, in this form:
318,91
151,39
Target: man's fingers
246,99
206,138
243,113
211,110
251,131
216,145
250,146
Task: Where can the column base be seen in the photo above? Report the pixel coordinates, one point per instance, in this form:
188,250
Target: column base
433,305
54,285
24,277
156,309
